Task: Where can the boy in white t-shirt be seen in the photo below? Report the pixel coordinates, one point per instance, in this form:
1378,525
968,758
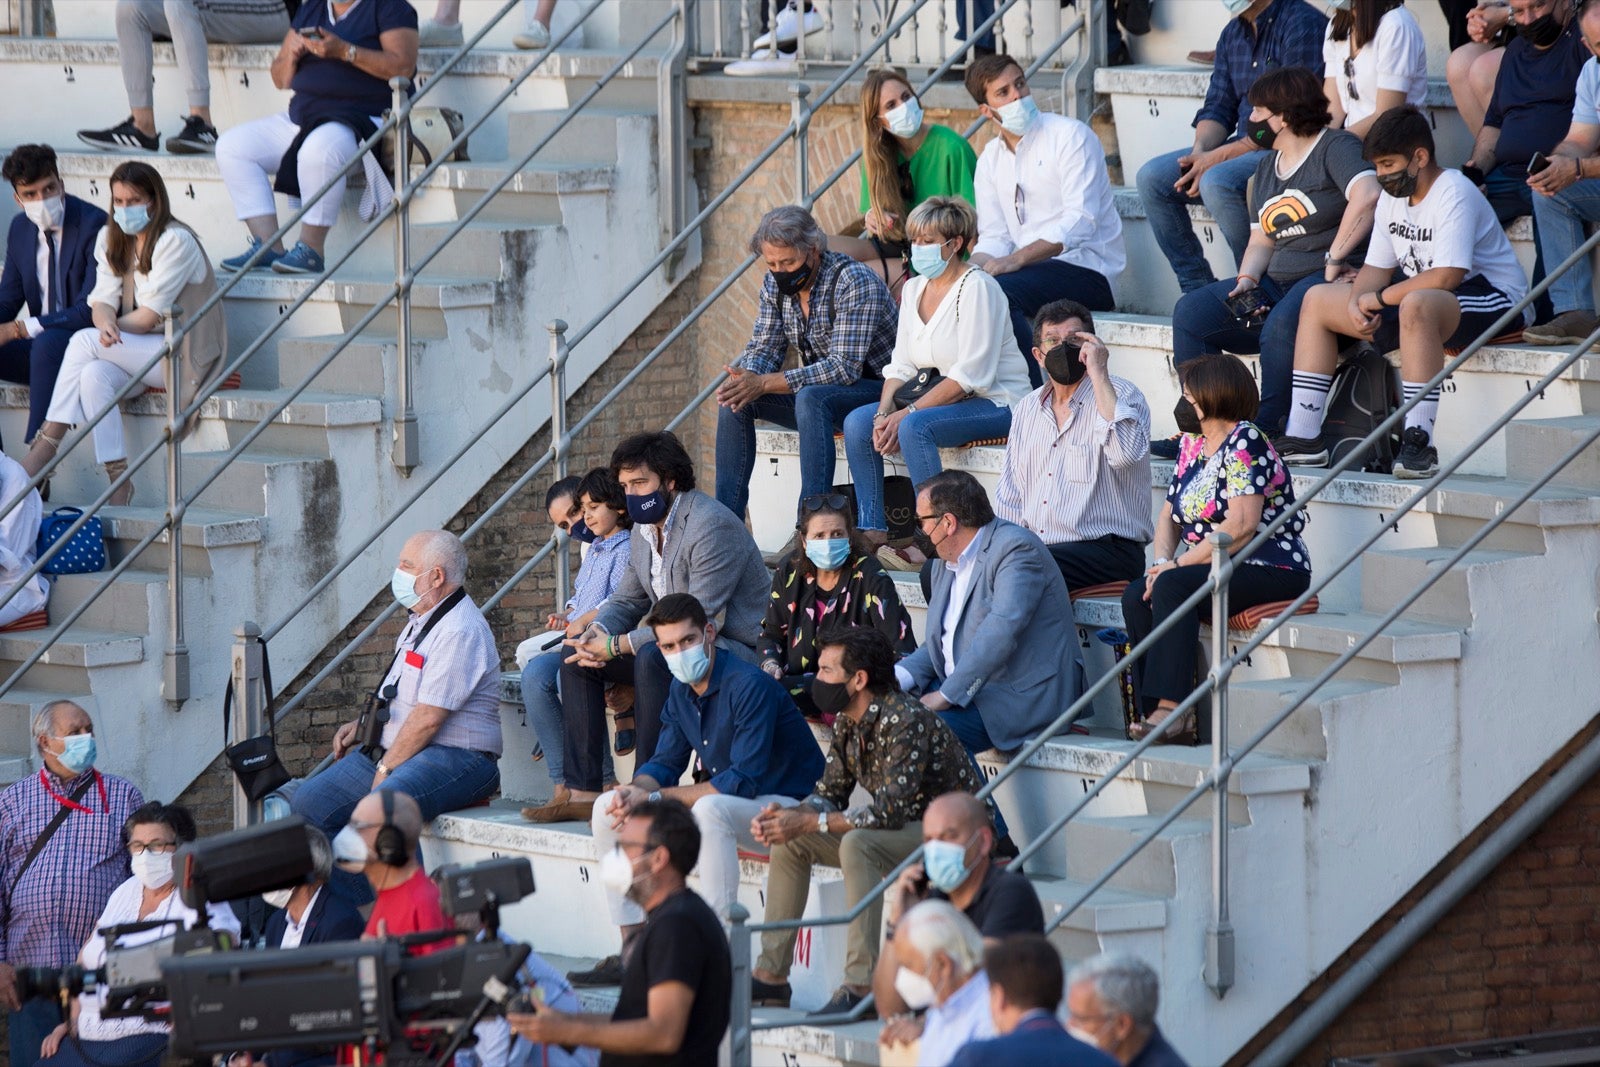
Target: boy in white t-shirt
1439,273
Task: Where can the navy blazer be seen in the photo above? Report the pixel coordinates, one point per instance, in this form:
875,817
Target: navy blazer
1038,1041
331,919
20,284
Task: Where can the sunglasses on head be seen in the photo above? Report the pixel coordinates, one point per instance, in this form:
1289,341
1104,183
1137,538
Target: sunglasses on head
818,501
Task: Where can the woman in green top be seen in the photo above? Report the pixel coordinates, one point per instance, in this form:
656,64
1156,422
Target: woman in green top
904,161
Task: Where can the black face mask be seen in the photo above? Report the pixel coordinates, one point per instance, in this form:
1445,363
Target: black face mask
1402,183
790,282
1542,32
831,698
1261,134
1064,363
1183,412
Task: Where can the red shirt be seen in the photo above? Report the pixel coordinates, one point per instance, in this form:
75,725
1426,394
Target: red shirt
408,908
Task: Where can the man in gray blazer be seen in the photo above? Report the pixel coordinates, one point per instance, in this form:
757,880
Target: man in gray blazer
683,542
1000,660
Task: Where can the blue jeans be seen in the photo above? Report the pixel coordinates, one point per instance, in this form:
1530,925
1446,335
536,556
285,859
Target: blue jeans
816,411
967,725
1560,221
1203,325
438,778
30,1026
1031,288
1222,192
35,363
140,1050
922,434
1506,187
981,10
541,698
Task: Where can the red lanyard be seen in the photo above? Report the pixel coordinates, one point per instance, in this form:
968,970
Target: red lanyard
44,780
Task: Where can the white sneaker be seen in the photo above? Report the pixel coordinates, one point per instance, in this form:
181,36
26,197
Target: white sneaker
787,37
764,61
437,35
533,39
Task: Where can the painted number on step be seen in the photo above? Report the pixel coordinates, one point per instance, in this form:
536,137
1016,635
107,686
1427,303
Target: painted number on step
189,191
761,895
244,78
1209,234
583,874
791,1059
283,309
70,76
1529,384
1233,650
1155,107
1394,524
1447,386
1088,783
94,187
989,770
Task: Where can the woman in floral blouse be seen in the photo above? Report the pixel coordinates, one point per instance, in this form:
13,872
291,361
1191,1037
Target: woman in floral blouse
831,579
1227,479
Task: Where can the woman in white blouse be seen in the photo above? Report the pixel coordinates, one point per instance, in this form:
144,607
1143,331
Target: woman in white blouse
163,258
1374,58
954,320
88,1039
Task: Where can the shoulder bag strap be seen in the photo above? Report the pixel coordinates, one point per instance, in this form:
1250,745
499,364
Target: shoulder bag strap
50,829
266,680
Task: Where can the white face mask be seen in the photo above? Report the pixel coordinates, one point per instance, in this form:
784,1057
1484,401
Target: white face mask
47,212
616,872
350,851
278,898
153,869
915,989
905,120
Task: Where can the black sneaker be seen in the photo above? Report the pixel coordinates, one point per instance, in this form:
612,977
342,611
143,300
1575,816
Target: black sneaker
199,138
769,994
1418,458
1301,451
842,1003
124,135
607,972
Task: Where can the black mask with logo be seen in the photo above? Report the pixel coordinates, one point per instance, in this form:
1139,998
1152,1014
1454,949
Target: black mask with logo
790,282
1261,134
1402,183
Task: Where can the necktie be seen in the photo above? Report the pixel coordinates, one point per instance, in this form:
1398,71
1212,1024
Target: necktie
55,276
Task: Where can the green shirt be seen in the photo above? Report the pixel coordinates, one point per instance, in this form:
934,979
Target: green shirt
943,166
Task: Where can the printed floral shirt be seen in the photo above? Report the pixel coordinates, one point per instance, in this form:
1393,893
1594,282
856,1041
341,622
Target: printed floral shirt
1245,465
901,753
799,610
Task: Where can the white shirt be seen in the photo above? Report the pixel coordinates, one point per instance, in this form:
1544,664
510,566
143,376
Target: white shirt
1395,59
963,568
19,535
968,337
178,261
1065,196
658,581
123,907
294,931
1454,226
456,667
964,1017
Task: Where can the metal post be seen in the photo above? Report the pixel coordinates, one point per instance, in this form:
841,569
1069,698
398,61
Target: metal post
246,720
404,453
739,1013
558,440
802,162
175,664
1219,930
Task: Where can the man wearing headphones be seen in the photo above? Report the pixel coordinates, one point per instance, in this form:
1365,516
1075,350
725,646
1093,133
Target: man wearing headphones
380,842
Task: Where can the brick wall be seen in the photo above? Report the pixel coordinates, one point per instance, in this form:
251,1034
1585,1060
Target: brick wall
1518,955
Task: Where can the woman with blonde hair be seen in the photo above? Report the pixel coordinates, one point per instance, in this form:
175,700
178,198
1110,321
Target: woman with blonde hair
904,161
956,371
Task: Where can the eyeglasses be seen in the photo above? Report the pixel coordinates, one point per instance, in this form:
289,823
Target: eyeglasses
139,848
647,848
1350,77
923,520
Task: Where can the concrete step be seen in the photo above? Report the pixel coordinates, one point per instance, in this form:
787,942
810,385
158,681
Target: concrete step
206,531
1110,919
1094,843
249,484
365,366
1253,703
1533,446
1389,574
590,138
134,595
78,646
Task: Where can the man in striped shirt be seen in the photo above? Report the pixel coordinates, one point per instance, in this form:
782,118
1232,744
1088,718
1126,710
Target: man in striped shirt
48,907
1077,466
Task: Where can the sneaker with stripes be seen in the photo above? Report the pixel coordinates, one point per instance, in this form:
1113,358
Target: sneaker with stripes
199,138
124,135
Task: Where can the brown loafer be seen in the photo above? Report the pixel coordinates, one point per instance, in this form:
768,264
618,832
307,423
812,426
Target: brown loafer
560,808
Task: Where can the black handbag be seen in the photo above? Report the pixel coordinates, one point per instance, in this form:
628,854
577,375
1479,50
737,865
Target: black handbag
917,388
255,760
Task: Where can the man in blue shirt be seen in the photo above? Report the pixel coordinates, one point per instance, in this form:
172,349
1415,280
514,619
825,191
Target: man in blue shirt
1267,34
754,748
1025,987
1111,1004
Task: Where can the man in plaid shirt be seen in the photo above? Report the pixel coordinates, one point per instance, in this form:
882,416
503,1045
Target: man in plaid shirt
839,316
48,911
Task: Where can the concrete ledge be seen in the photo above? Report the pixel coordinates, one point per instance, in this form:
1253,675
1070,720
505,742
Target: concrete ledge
75,648
1193,80
202,527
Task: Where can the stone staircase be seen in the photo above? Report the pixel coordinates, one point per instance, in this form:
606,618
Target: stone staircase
558,241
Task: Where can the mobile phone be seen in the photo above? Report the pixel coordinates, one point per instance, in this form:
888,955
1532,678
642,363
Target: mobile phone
1538,162
1250,304
313,33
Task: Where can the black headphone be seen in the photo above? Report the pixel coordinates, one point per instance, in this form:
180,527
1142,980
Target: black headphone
390,844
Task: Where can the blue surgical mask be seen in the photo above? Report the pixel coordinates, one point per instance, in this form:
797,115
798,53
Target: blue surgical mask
905,120
690,665
928,260
648,508
404,588
78,754
829,553
946,864
1017,116
580,531
132,219
1235,7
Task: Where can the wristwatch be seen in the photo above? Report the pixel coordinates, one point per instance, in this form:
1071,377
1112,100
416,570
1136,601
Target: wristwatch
382,769
822,822
654,797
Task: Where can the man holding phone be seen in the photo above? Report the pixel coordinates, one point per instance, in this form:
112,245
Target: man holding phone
1077,465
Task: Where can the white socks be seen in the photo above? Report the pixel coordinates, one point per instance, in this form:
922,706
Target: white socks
1426,412
1307,403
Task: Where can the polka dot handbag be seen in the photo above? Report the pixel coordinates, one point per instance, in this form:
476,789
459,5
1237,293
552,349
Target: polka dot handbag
84,552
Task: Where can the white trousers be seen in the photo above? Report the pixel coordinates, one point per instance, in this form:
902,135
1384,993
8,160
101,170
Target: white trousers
91,373
248,156
724,823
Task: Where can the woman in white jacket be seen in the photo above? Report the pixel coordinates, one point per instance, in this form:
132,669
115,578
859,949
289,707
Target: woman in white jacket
956,321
